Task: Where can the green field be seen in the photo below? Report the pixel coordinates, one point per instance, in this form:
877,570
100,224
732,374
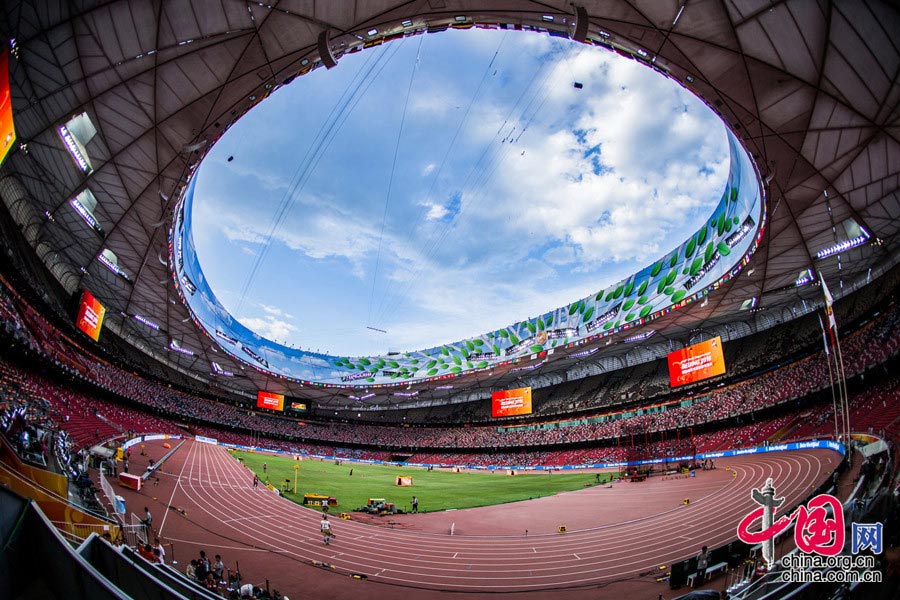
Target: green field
436,490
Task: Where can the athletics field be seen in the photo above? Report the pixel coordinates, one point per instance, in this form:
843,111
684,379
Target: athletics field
439,489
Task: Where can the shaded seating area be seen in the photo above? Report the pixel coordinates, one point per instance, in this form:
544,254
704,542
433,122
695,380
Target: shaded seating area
96,570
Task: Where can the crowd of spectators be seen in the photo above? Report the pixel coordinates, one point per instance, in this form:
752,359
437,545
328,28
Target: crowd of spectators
163,408
877,405
210,572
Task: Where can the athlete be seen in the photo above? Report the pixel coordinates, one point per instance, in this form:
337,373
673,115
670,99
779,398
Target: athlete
326,530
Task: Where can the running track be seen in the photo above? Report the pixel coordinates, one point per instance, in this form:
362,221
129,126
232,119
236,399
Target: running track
222,510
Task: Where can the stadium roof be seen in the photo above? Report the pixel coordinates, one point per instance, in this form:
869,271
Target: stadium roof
810,89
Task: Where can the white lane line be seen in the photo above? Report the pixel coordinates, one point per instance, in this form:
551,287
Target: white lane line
172,497
218,546
251,517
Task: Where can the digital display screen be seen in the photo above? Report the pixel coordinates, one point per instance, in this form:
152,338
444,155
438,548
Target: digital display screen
299,406
696,363
269,400
508,403
7,130
90,315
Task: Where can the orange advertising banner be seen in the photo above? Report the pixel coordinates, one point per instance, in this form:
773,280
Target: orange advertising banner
696,363
90,316
7,129
269,400
509,403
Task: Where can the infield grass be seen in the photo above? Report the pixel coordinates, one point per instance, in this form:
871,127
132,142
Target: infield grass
439,489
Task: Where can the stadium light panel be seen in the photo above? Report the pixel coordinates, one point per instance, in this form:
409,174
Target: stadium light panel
218,370
73,149
640,336
845,245
804,278
584,353
173,345
84,204
76,133
146,321
529,367
111,262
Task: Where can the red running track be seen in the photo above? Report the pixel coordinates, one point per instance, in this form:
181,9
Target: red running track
615,534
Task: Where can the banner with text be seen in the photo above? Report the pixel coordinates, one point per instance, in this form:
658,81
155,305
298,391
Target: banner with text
696,363
508,403
270,401
90,316
7,130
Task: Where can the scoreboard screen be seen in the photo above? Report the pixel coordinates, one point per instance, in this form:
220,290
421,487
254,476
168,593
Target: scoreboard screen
7,130
269,400
90,315
696,363
508,403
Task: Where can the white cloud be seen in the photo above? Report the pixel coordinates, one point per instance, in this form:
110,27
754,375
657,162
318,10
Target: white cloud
548,205
269,327
275,311
266,179
433,105
242,233
561,255
312,361
651,147
436,212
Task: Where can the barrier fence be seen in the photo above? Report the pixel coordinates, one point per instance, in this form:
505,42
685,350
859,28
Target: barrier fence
110,494
810,445
135,532
78,532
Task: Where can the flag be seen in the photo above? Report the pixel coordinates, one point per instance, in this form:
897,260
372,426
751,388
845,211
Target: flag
829,301
824,337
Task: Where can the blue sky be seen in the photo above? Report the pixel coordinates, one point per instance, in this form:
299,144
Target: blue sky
445,185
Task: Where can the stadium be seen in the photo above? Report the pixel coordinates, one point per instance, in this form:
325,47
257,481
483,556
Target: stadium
715,415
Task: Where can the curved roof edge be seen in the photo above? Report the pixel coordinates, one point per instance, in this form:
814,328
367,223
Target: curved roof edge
712,255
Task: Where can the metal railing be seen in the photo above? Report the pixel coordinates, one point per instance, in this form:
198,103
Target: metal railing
110,494
78,532
134,533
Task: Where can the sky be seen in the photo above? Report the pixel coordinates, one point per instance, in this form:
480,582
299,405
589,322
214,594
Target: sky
442,186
